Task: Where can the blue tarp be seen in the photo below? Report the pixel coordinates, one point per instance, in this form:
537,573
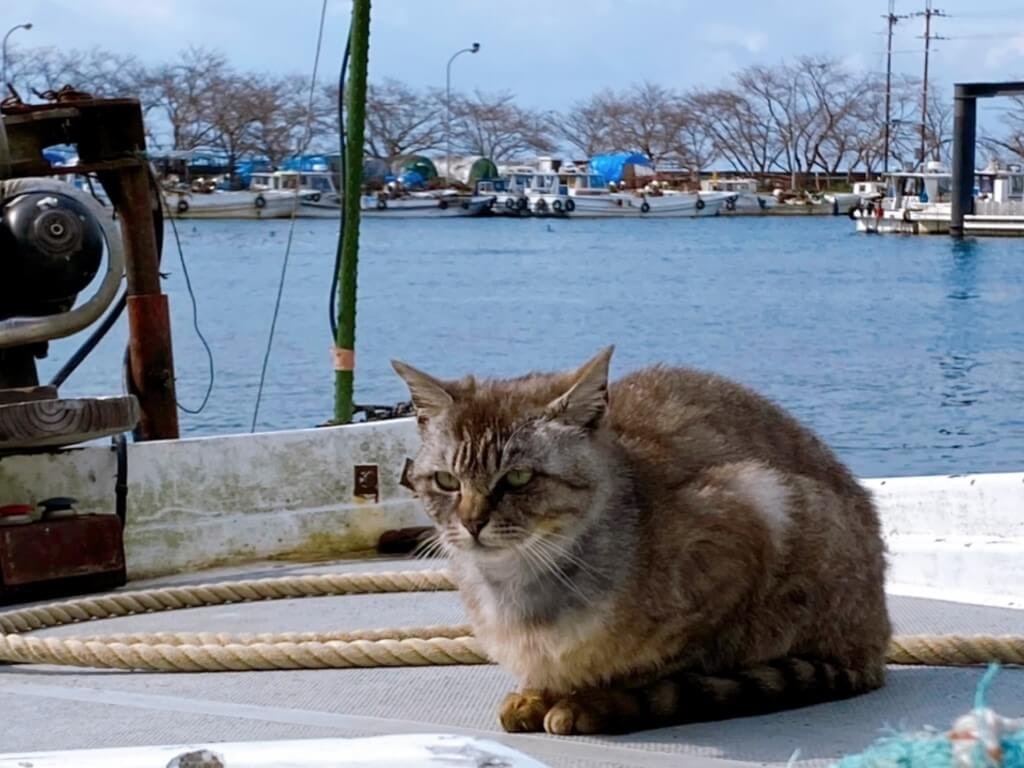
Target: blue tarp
612,166
307,163
60,156
246,168
412,179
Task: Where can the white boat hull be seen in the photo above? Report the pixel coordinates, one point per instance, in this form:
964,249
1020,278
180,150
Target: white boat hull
935,221
511,204
621,205
182,527
320,208
426,207
748,203
230,205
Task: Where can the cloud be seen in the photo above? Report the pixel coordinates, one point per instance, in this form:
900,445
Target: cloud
749,40
1004,52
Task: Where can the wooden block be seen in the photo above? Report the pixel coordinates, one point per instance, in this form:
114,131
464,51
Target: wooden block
24,394
54,423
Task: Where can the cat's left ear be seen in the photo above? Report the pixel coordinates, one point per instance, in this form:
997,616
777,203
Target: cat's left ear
587,399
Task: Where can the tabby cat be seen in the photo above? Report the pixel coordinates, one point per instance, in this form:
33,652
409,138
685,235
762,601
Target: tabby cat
669,548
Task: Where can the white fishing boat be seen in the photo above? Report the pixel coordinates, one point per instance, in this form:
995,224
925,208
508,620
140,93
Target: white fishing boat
509,194
747,199
842,202
432,204
318,195
219,204
576,194
920,203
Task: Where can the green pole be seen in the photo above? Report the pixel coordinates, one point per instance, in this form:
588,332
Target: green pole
345,343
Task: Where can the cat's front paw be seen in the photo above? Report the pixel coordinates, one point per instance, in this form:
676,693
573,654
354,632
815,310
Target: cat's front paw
597,711
524,712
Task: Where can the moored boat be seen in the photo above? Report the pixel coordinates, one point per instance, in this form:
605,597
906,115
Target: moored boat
576,194
446,203
920,203
242,204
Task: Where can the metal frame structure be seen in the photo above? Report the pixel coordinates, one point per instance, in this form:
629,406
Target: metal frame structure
965,123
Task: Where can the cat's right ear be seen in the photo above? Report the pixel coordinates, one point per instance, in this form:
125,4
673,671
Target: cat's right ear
429,397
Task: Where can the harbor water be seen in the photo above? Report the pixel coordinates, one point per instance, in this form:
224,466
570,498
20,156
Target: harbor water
906,354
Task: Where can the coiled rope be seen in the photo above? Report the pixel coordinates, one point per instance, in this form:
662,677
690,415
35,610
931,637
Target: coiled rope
409,647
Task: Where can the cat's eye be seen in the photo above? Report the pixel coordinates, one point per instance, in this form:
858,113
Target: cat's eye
446,481
517,478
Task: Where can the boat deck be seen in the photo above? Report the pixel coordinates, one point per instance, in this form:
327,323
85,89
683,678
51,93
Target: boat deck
51,708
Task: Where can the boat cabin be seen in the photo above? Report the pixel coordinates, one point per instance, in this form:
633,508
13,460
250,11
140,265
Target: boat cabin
317,181
1000,185
869,189
738,185
582,184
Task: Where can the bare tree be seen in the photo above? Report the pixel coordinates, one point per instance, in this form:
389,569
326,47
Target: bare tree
183,95
740,131
401,120
906,128
1011,139
35,71
865,133
695,142
494,126
829,100
287,121
233,116
590,125
650,120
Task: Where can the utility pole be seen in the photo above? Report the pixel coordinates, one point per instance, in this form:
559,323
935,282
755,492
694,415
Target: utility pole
928,13
891,18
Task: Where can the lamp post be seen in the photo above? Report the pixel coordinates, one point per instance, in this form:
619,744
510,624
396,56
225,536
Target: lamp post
3,68
448,109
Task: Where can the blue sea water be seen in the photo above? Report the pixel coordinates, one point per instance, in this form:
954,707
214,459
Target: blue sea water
906,354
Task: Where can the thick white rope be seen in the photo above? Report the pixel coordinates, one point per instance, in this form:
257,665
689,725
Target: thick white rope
418,646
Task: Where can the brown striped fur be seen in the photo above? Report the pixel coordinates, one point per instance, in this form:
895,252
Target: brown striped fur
684,549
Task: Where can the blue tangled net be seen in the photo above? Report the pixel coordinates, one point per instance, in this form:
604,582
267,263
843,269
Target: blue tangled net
981,739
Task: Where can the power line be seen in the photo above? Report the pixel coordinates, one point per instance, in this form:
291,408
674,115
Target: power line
291,226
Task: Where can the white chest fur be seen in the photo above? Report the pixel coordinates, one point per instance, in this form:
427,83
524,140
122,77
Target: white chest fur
553,655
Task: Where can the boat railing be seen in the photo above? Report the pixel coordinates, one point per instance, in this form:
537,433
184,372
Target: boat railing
993,208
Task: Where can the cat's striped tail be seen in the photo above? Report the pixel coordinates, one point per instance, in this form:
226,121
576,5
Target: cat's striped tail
687,697
785,683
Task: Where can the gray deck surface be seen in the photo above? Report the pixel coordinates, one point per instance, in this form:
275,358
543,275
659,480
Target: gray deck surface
50,708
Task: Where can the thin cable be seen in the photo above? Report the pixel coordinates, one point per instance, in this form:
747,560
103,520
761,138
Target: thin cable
332,303
291,227
195,324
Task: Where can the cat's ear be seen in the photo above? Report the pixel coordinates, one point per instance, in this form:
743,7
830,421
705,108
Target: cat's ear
429,397
584,404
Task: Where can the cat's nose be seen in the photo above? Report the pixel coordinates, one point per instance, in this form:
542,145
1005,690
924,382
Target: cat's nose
473,512
475,524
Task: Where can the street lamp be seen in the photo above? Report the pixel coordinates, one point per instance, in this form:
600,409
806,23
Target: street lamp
448,109
3,68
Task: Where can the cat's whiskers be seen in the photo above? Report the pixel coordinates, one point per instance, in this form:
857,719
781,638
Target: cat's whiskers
560,551
430,547
552,567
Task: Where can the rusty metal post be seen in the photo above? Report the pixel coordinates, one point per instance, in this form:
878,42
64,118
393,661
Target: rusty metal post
149,321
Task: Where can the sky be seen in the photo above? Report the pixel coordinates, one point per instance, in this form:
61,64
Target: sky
549,52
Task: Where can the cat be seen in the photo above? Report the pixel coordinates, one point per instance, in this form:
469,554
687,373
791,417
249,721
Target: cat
668,548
